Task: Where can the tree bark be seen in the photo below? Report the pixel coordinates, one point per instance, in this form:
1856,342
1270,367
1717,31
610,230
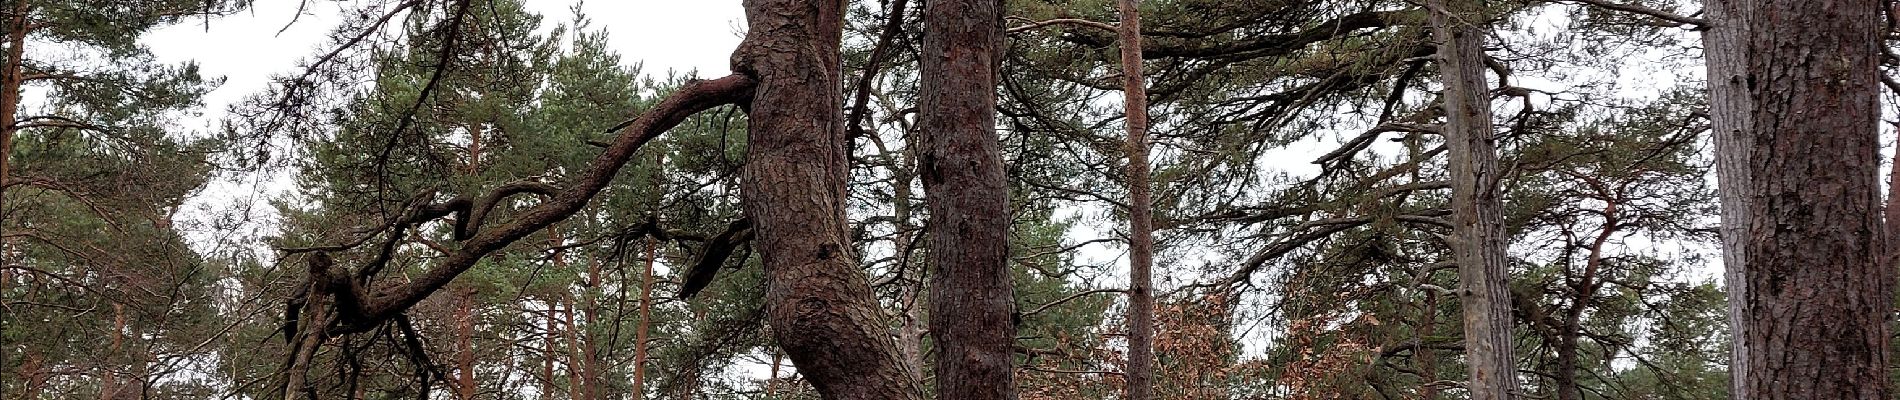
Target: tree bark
971,298
109,386
1819,291
547,362
646,323
1729,106
818,301
1478,237
10,90
465,344
1141,302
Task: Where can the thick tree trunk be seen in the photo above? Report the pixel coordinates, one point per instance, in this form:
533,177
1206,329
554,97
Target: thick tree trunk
971,299
818,301
1478,237
1819,291
1141,242
1729,106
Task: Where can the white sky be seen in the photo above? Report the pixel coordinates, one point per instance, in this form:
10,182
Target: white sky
247,48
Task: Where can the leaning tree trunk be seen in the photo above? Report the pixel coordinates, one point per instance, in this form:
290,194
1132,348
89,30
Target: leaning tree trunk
970,293
1819,292
1477,211
1141,242
1723,51
818,301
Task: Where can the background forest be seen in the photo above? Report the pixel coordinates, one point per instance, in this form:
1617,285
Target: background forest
1301,205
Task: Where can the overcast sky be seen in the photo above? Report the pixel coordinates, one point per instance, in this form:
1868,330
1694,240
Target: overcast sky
247,48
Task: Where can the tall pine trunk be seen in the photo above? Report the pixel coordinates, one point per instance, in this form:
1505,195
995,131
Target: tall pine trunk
465,344
1141,243
1478,237
1819,292
10,80
1729,107
818,300
971,297
638,389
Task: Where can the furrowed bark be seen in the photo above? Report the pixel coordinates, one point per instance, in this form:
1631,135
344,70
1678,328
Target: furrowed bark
818,300
971,298
1819,290
1141,242
1478,237
1729,122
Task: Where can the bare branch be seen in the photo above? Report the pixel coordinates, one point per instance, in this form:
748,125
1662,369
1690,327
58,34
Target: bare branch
1696,23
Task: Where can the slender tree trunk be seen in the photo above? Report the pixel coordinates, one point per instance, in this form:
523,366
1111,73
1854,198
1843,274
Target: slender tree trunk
1819,290
1428,357
646,287
912,327
818,301
1141,242
971,299
646,322
771,382
32,370
1729,105
474,149
316,311
547,362
10,91
576,361
465,345
109,386
1478,237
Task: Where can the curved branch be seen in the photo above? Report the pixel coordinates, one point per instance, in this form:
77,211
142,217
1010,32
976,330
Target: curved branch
694,97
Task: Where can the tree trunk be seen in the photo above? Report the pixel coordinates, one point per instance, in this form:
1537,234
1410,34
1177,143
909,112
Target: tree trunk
576,361
971,299
10,90
109,386
32,371
547,362
1819,292
1141,302
771,381
465,344
1427,356
818,301
1729,106
1478,237
646,322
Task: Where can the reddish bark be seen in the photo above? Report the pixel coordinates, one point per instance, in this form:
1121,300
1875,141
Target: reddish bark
1819,290
818,300
1141,302
971,298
